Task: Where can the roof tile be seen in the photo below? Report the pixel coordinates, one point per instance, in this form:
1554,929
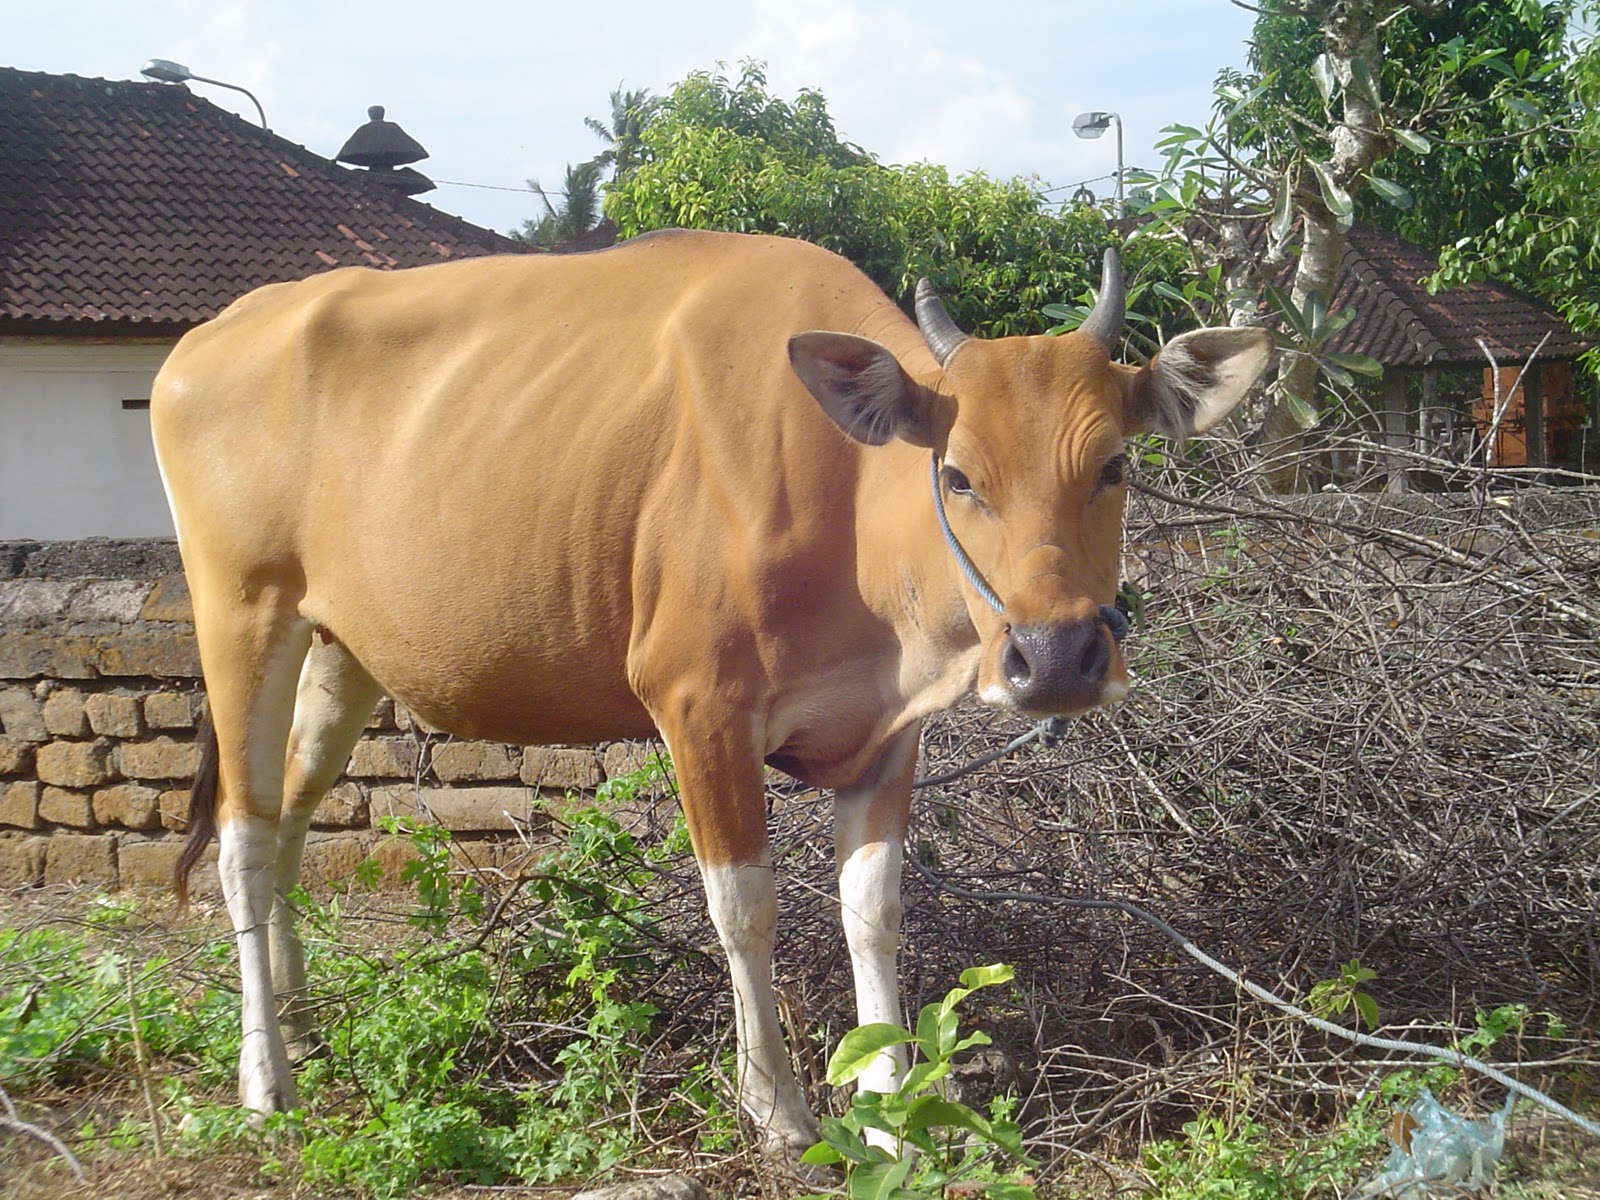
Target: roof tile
142,204
1400,324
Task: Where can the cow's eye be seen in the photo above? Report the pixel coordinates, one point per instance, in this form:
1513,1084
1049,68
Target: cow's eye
956,483
1114,471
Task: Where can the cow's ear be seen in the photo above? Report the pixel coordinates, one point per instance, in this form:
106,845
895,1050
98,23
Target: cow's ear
864,389
1196,380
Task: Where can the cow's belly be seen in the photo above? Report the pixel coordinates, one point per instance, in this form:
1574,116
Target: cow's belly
482,642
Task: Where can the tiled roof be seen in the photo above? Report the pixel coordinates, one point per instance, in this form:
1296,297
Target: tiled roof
141,207
1398,323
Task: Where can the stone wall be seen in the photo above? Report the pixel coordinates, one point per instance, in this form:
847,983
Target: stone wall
99,692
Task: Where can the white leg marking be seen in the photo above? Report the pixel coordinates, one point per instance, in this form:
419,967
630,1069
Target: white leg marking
743,901
869,833
245,862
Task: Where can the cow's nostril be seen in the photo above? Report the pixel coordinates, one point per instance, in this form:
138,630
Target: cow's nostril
1015,664
1096,657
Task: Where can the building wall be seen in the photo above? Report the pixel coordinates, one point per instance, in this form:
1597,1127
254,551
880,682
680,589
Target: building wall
74,462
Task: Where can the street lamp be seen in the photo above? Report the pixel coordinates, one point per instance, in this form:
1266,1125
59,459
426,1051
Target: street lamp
1091,125
171,72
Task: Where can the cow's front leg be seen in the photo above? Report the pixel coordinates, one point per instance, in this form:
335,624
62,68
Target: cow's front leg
869,836
720,788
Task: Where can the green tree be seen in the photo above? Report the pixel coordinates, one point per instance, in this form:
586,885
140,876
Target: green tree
1548,239
1301,136
726,154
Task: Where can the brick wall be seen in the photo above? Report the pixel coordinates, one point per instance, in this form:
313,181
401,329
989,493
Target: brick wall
99,690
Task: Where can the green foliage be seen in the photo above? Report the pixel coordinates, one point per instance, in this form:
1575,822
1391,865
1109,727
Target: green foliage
1331,997
1463,89
404,1091
1222,1158
1229,1156
64,1008
959,1148
1547,237
725,154
1420,122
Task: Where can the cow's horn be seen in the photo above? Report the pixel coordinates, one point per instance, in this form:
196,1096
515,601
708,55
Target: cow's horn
1104,324
938,330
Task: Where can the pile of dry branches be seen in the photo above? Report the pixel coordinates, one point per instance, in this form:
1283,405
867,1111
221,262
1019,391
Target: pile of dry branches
1365,727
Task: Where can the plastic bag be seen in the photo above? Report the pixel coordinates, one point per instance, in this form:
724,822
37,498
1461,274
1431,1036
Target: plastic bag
1438,1153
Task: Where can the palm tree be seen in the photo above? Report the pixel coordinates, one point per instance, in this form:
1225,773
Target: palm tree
630,113
579,211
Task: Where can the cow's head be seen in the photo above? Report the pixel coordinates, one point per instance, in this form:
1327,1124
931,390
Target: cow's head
1029,433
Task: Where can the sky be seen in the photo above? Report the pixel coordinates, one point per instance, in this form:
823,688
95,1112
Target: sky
498,91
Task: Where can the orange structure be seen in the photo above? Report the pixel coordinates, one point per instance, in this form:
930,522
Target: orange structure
1542,419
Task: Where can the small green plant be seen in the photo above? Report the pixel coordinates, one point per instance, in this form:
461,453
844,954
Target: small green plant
959,1146
1332,997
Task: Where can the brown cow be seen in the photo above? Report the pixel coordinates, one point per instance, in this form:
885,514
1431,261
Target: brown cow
681,487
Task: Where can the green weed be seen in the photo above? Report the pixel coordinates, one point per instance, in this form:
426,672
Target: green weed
938,1146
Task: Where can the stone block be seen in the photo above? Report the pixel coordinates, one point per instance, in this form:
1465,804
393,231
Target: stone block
344,807
75,764
114,716
64,806
158,758
144,862
35,600
332,858
462,809
169,710
20,717
164,655
557,767
168,601
19,804
21,860
64,714
81,858
16,755
130,805
30,654
383,758
174,809
473,761
117,600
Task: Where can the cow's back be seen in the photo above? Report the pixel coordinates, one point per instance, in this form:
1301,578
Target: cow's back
496,480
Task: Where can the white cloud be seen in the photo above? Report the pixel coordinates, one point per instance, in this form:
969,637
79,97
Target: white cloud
896,85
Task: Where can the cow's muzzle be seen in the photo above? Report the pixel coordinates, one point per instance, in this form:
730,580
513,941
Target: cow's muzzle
1061,668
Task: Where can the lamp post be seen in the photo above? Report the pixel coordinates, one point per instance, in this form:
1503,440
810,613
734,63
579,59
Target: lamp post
1091,125
171,72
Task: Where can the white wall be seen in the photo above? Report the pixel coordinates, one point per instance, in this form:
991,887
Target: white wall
73,462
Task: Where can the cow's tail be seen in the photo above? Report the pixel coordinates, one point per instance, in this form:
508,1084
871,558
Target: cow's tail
202,810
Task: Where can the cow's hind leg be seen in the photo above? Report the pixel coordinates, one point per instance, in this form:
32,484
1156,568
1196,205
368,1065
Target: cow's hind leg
332,704
251,650
720,787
